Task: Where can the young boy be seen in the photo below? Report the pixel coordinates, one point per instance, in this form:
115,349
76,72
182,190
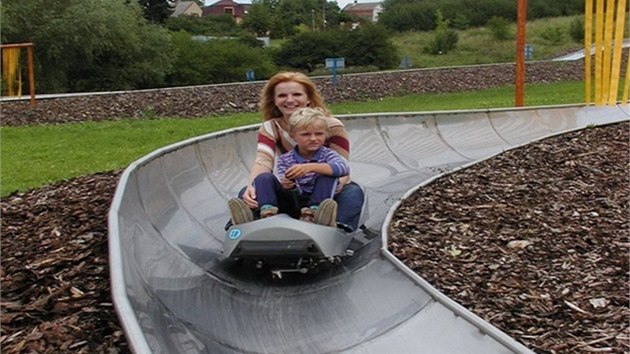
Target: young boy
310,168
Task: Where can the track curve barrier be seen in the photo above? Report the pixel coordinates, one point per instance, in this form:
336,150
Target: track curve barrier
173,293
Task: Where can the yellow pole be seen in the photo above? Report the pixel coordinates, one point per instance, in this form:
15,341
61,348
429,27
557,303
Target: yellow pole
608,38
626,86
599,37
618,48
11,71
588,43
31,70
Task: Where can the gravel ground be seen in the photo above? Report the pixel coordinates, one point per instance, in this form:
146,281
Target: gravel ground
534,240
207,100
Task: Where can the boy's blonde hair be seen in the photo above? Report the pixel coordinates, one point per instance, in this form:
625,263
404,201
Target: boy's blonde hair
306,117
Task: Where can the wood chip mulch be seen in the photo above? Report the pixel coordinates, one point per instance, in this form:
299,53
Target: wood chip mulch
534,240
54,272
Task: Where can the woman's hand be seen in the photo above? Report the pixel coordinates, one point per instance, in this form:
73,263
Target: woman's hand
249,196
343,180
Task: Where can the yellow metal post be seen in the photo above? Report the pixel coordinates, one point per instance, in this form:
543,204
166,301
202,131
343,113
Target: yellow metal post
30,63
588,44
616,55
599,39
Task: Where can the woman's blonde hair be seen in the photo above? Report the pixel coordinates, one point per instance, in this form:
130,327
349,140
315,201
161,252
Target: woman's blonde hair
266,103
306,117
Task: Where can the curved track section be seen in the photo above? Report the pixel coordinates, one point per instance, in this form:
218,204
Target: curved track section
175,294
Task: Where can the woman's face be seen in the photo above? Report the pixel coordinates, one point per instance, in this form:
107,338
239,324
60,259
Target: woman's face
289,96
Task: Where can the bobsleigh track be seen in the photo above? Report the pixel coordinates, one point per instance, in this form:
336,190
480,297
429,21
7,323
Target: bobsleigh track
174,293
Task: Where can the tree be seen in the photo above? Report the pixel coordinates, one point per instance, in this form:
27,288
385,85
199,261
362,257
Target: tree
215,61
370,45
89,46
259,18
445,38
206,26
157,11
367,46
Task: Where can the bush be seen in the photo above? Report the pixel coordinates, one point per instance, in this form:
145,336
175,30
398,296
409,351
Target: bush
576,29
500,28
445,39
216,61
370,45
367,45
554,34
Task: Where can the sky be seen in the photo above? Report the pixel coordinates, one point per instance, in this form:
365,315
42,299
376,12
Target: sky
341,3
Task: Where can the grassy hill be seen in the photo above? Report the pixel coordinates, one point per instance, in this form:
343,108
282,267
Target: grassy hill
550,37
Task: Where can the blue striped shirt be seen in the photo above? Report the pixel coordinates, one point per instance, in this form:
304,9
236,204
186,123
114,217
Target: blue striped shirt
306,183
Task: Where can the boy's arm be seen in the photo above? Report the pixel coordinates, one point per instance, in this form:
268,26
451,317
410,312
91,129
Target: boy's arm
338,164
301,169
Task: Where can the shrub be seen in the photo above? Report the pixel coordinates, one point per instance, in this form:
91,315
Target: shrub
576,29
367,45
553,34
445,39
500,28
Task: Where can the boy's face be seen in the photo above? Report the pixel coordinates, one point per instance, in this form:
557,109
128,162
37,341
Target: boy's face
310,138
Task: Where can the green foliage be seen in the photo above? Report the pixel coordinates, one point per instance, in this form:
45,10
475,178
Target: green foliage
367,45
460,22
157,11
370,45
474,46
500,28
553,34
215,61
445,39
288,16
576,29
204,26
308,49
406,15
89,46
259,19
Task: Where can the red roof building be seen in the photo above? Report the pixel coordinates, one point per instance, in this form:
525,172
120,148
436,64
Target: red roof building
227,7
368,11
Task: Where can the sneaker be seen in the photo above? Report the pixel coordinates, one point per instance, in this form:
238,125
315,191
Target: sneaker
327,213
307,214
239,211
268,210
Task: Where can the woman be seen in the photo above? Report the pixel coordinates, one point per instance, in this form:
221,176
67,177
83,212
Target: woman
282,95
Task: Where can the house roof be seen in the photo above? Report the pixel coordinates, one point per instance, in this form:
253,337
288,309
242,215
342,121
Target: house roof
366,6
224,3
181,7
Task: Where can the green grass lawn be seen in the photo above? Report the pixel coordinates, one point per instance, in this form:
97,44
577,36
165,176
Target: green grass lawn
33,156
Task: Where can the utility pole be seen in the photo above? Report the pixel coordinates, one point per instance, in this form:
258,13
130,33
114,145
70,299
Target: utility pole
313,19
324,14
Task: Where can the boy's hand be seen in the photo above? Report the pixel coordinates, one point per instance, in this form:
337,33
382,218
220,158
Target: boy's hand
287,183
297,171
